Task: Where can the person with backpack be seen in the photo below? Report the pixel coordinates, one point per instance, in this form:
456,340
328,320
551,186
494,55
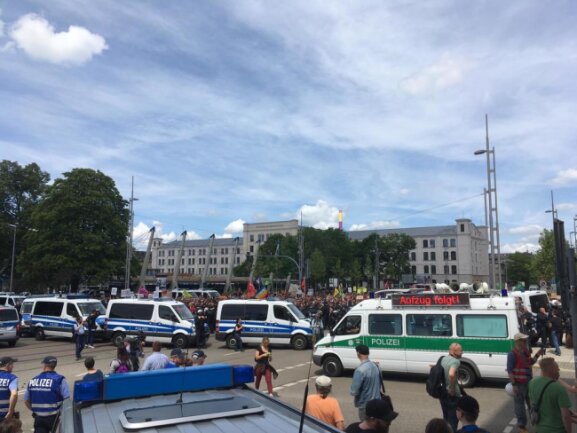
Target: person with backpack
519,368
467,413
122,363
452,390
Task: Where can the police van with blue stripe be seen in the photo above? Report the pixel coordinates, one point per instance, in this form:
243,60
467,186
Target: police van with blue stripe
55,316
9,324
163,320
281,321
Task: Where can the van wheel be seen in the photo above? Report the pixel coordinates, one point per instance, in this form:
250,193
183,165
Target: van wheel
332,366
12,343
231,342
39,334
299,342
179,341
466,376
118,339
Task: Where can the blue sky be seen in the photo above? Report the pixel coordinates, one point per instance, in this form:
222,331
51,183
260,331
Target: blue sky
248,111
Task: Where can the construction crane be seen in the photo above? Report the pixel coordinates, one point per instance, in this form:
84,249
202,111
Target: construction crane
174,283
207,264
141,279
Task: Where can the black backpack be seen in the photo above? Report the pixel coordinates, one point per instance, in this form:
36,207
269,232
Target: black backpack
436,386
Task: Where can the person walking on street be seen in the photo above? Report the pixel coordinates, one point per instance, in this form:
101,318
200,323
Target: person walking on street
263,357
45,394
122,363
555,415
451,364
366,383
199,328
519,368
324,407
8,388
543,326
90,328
79,331
557,327
468,412
156,360
238,327
92,374
378,419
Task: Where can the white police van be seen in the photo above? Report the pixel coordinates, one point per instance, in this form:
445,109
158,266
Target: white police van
163,320
408,334
281,321
9,325
55,316
11,299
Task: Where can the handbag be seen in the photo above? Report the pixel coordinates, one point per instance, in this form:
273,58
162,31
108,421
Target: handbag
534,408
386,398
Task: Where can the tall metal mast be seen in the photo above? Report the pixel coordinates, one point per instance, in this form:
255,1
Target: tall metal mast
207,265
174,283
141,279
232,258
129,243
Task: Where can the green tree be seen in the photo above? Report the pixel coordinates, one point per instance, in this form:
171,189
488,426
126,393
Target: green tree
519,267
394,258
356,273
318,266
80,231
21,188
543,266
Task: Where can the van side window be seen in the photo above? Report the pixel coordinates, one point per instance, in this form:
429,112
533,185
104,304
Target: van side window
131,311
48,308
232,312
385,324
166,313
490,326
3,300
256,312
350,325
282,313
429,325
71,310
8,314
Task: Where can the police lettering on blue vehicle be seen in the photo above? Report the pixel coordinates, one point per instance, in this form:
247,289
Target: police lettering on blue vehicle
8,388
45,394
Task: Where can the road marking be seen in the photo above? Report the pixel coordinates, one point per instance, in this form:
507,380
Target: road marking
511,426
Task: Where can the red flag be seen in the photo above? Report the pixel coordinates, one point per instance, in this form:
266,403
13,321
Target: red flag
303,284
250,290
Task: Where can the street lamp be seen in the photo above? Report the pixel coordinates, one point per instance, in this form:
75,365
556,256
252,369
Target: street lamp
491,192
13,255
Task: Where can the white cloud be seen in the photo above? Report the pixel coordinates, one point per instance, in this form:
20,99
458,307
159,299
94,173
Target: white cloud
224,236
447,72
570,207
320,215
375,225
530,229
235,226
36,37
521,247
566,176
404,191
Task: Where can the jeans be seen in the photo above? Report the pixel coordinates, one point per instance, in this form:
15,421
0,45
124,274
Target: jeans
238,345
90,337
555,342
44,424
449,407
521,399
79,344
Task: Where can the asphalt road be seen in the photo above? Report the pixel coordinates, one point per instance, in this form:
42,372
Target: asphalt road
415,407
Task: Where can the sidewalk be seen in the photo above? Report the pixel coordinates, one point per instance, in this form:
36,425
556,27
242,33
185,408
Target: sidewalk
566,360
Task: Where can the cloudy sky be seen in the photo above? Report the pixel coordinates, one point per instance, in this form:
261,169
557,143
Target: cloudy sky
246,111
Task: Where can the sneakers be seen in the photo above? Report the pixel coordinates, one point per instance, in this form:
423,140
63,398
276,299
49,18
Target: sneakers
90,346
523,430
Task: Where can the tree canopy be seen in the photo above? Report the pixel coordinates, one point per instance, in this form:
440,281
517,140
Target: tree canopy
80,232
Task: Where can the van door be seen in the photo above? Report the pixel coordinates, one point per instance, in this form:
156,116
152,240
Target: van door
385,340
167,321
281,324
70,319
347,335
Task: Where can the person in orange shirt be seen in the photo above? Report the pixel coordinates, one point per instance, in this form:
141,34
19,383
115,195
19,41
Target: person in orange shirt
323,407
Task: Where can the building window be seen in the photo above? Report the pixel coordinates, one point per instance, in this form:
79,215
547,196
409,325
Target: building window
426,269
425,243
252,238
238,260
454,270
252,248
445,255
445,243
261,237
413,270
446,271
413,256
434,270
462,228
425,256
453,255
238,250
432,243
433,255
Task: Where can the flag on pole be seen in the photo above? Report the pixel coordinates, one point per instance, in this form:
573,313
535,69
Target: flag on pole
250,290
186,294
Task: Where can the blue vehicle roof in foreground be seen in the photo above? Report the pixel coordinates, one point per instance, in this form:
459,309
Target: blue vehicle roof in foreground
211,398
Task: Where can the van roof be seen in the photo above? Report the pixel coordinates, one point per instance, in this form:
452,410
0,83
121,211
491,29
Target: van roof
143,300
500,303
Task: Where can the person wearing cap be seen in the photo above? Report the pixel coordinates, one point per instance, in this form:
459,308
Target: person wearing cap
366,383
178,359
199,328
45,394
467,413
156,360
379,416
8,388
519,368
198,357
324,407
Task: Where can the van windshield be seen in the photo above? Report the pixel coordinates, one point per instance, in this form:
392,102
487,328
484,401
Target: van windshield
8,314
26,308
87,307
183,312
296,311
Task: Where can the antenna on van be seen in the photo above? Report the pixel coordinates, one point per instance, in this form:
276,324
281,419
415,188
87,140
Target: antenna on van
306,393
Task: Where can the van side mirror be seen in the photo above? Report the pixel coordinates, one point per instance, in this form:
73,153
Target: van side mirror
331,332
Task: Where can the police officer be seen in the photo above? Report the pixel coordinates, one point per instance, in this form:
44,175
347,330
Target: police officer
44,396
8,388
